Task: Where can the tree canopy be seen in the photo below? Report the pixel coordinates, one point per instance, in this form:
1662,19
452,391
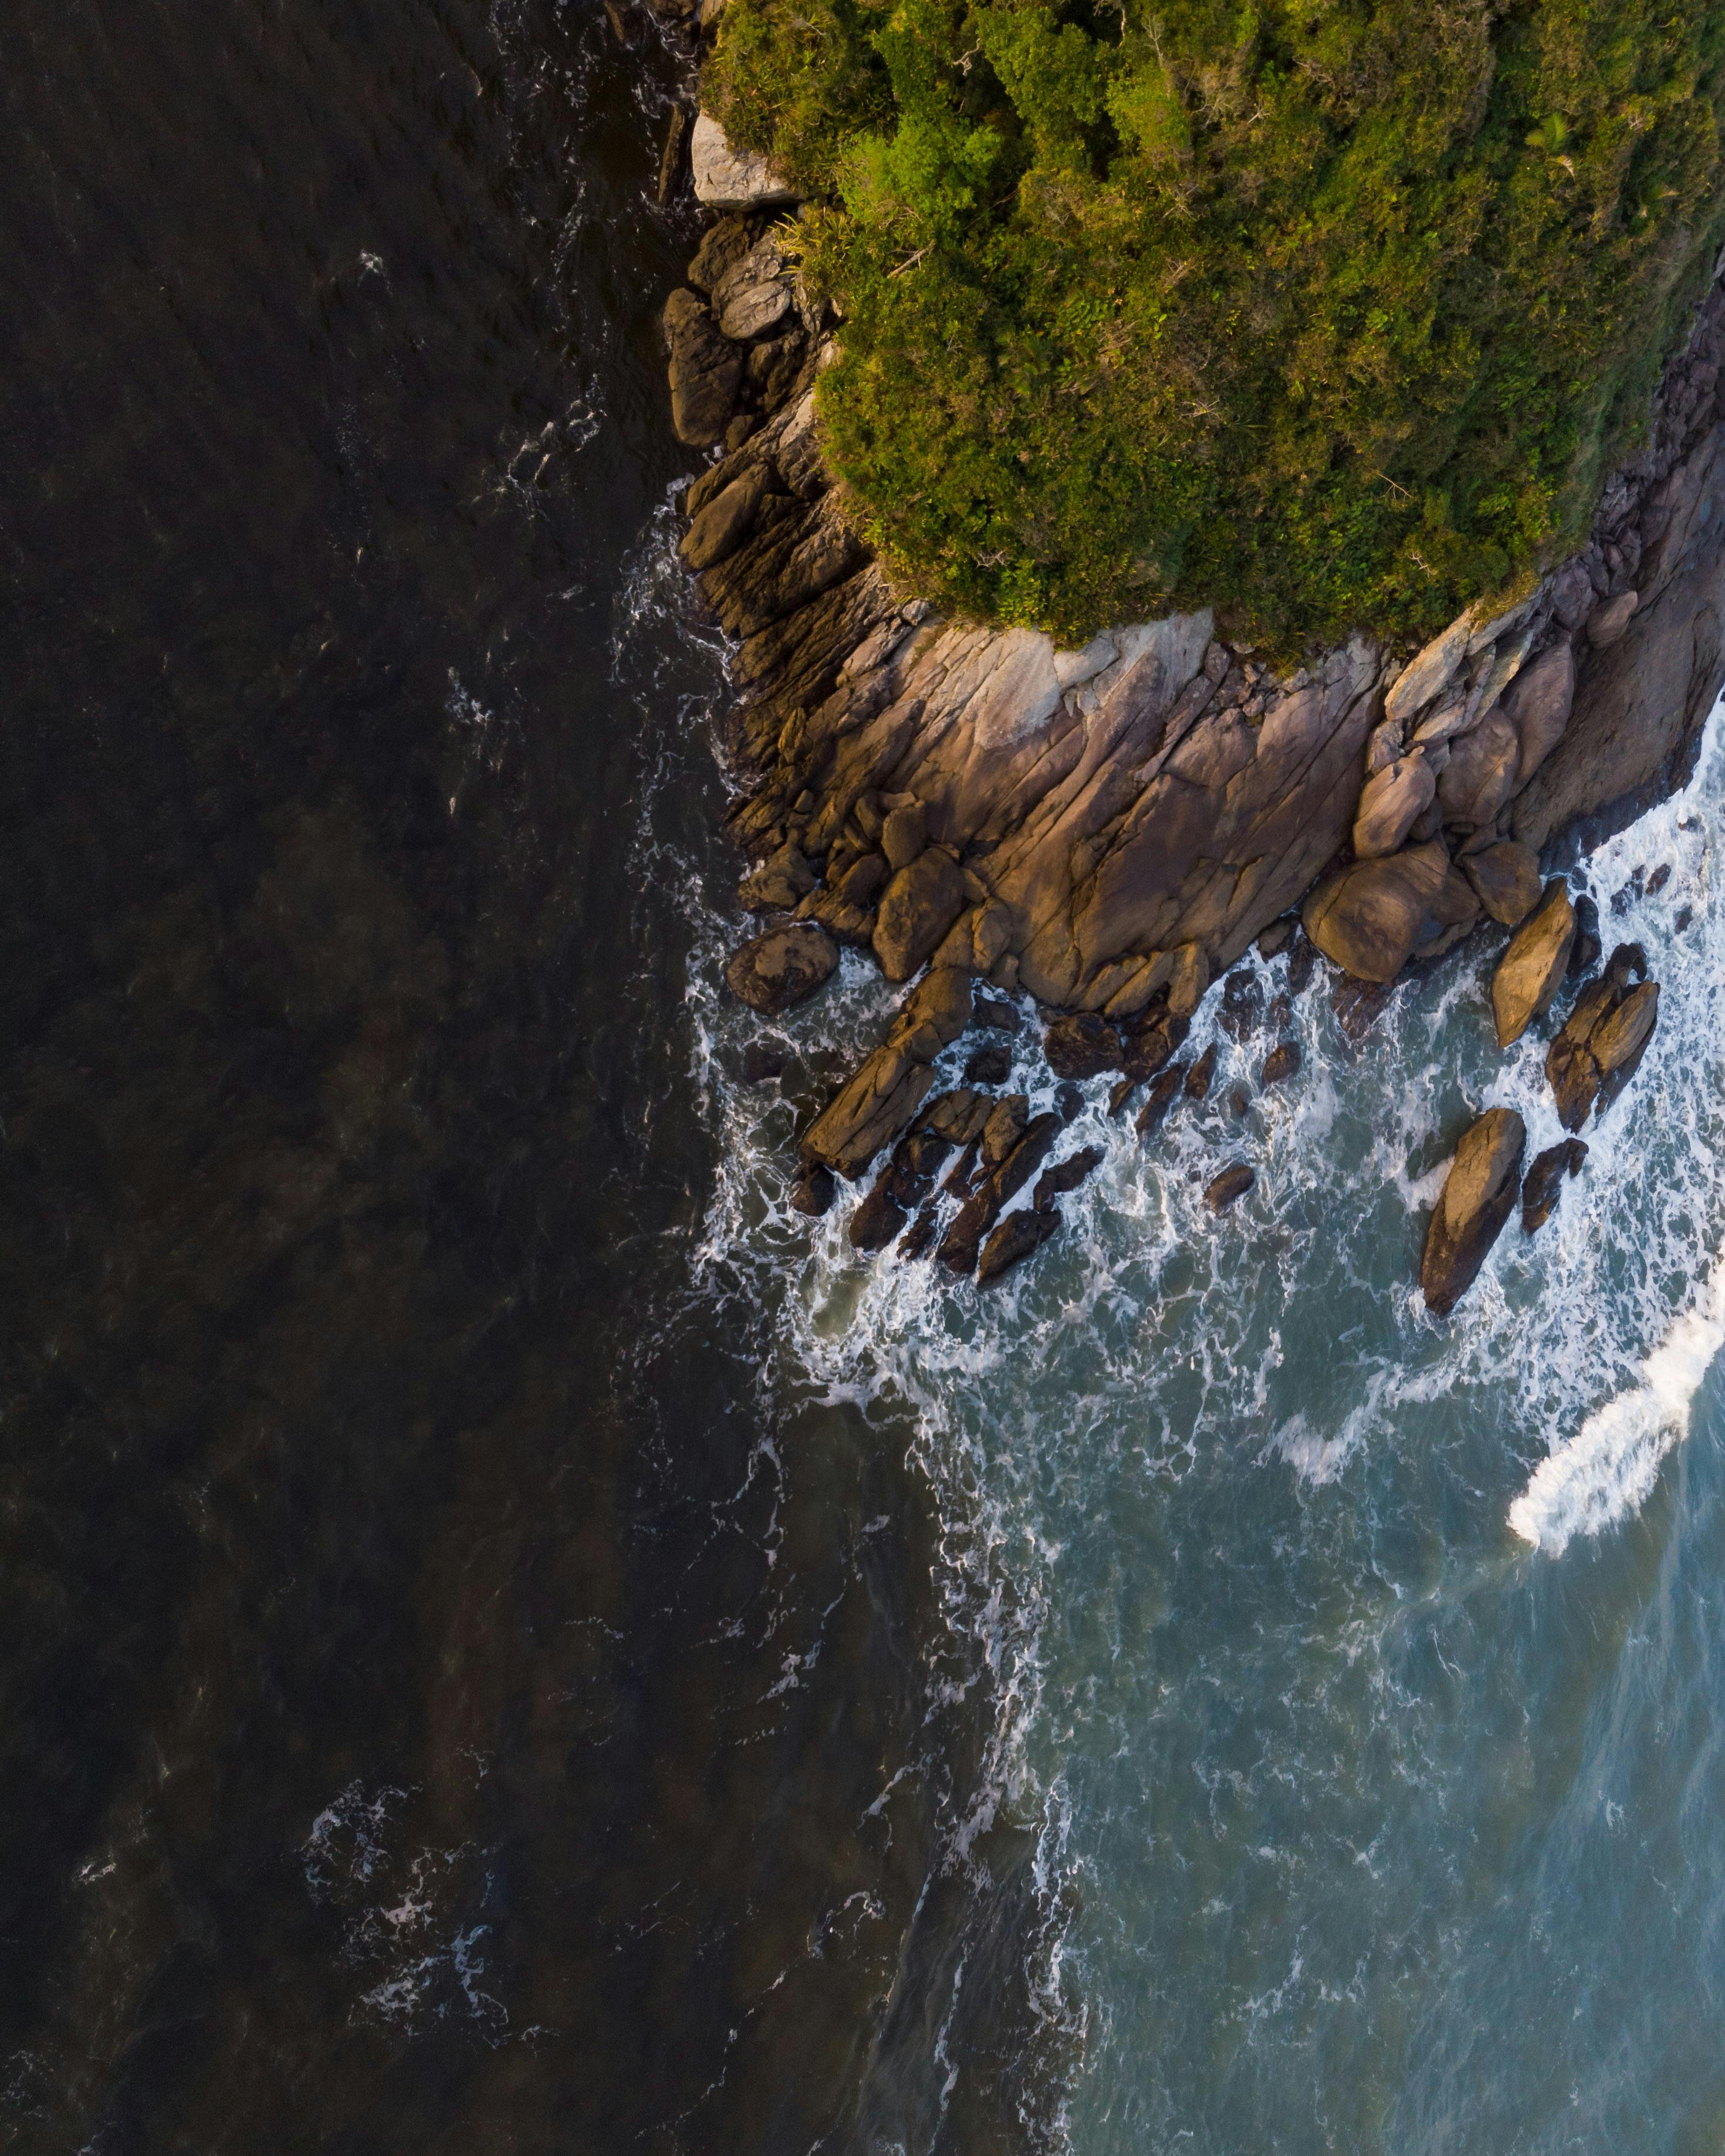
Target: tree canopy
1326,315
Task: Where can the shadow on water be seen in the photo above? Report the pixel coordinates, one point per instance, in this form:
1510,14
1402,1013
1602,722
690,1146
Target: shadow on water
446,1700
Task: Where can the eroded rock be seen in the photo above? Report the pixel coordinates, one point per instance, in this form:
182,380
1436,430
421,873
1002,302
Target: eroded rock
1506,879
729,178
1013,1240
917,907
1478,1196
774,971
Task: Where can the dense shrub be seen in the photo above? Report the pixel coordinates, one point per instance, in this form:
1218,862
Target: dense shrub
1326,314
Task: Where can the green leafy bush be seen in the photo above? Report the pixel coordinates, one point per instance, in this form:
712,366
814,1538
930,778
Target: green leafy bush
1326,315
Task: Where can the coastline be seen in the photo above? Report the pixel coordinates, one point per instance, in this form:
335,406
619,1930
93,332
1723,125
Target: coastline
1109,831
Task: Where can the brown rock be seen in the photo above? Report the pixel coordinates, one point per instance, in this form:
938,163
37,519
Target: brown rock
1228,1187
916,1238
706,368
774,971
1608,622
1531,969
883,1097
719,529
1005,1126
1392,803
1369,918
782,880
1619,1041
722,245
920,905
1065,1175
1165,1089
877,1220
1480,774
959,1115
1506,877
1544,1181
754,294
990,1065
1199,1078
1080,1045
1281,1063
1478,1196
1015,1237
1539,705
904,834
1147,1044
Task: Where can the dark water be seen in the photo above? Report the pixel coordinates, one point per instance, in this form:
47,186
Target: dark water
444,1694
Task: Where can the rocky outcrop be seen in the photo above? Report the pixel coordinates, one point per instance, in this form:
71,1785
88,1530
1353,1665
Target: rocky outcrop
1478,1195
1110,828
1603,1041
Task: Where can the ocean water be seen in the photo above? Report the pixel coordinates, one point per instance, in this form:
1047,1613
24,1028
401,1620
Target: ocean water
511,1639
1357,1674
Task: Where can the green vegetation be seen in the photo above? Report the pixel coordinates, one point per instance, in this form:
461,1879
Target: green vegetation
1326,314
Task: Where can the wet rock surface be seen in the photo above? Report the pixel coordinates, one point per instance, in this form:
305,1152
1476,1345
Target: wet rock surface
1533,968
1601,1044
1478,1195
1543,1182
775,972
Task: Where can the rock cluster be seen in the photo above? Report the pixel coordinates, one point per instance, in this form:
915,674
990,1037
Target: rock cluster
1109,829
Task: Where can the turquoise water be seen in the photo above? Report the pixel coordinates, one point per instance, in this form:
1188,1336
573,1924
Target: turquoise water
1358,1673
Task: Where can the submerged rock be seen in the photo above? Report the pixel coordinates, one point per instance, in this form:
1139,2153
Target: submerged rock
1531,970
1544,1181
774,971
1228,1187
990,1064
1478,1196
814,1191
1281,1063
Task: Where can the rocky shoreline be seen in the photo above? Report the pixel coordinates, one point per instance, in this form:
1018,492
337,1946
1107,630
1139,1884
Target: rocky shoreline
1108,831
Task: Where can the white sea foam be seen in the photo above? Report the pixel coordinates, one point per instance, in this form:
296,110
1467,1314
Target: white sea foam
1609,1468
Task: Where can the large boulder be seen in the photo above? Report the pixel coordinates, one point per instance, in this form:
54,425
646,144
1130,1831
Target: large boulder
1506,879
1478,1195
1017,1235
1480,774
1393,802
706,370
729,178
1370,919
773,972
1531,969
1538,706
918,906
